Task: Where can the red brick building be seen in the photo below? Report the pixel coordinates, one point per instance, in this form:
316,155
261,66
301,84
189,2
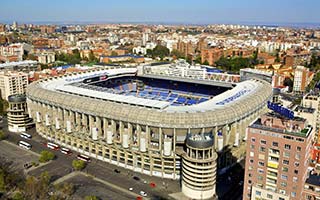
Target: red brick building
211,55
278,150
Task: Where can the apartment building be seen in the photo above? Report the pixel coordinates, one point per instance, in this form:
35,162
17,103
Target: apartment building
278,151
302,78
12,83
311,100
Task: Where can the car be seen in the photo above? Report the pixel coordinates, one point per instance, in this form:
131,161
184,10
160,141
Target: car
27,165
130,189
142,193
117,171
136,178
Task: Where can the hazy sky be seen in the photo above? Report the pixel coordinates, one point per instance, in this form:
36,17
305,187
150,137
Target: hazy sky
186,11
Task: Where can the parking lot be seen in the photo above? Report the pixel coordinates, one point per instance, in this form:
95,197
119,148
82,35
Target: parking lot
16,154
87,186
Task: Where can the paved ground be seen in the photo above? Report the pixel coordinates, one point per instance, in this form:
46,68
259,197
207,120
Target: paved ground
62,166
87,186
16,155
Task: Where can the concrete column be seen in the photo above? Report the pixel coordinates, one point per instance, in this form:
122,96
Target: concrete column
84,123
105,128
65,118
78,121
99,126
121,130
130,133
160,139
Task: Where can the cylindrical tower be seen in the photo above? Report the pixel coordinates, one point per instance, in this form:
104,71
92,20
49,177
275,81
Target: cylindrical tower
199,167
18,118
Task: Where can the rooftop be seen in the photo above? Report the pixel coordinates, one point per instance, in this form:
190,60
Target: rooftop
313,179
298,133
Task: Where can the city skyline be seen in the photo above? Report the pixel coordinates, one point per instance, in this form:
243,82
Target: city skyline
176,12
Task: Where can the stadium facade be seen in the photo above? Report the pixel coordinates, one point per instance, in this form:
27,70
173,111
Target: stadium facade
151,120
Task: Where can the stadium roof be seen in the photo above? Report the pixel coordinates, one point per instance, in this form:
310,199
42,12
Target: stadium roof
233,105
20,63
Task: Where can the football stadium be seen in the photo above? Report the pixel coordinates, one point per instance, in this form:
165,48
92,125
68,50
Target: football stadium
162,120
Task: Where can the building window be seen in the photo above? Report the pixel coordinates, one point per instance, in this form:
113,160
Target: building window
258,193
261,164
250,175
263,142
275,144
251,146
260,178
253,139
285,169
293,194
296,171
298,148
284,177
251,154
251,161
280,198
295,179
269,196
286,162
287,146
286,154
283,184
260,171
296,164
298,156
262,149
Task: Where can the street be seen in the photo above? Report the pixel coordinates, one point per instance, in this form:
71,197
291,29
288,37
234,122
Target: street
62,165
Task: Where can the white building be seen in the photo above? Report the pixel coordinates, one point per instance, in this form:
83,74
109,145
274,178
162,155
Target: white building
12,83
47,57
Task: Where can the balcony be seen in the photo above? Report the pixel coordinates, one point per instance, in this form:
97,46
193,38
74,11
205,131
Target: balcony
273,164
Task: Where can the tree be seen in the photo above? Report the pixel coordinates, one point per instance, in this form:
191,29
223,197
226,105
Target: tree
30,189
45,156
160,51
198,60
2,135
18,196
3,106
176,53
78,164
44,185
67,189
205,62
92,58
91,197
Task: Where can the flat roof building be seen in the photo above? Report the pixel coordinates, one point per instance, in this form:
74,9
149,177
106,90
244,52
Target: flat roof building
278,150
13,83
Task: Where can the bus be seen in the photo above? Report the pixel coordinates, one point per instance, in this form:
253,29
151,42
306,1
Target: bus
52,146
84,158
25,136
25,145
65,151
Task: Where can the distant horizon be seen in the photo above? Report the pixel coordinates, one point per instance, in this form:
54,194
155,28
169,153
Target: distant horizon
98,22
202,12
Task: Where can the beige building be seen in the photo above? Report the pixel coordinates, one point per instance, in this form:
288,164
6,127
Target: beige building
13,83
312,101
144,137
46,58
